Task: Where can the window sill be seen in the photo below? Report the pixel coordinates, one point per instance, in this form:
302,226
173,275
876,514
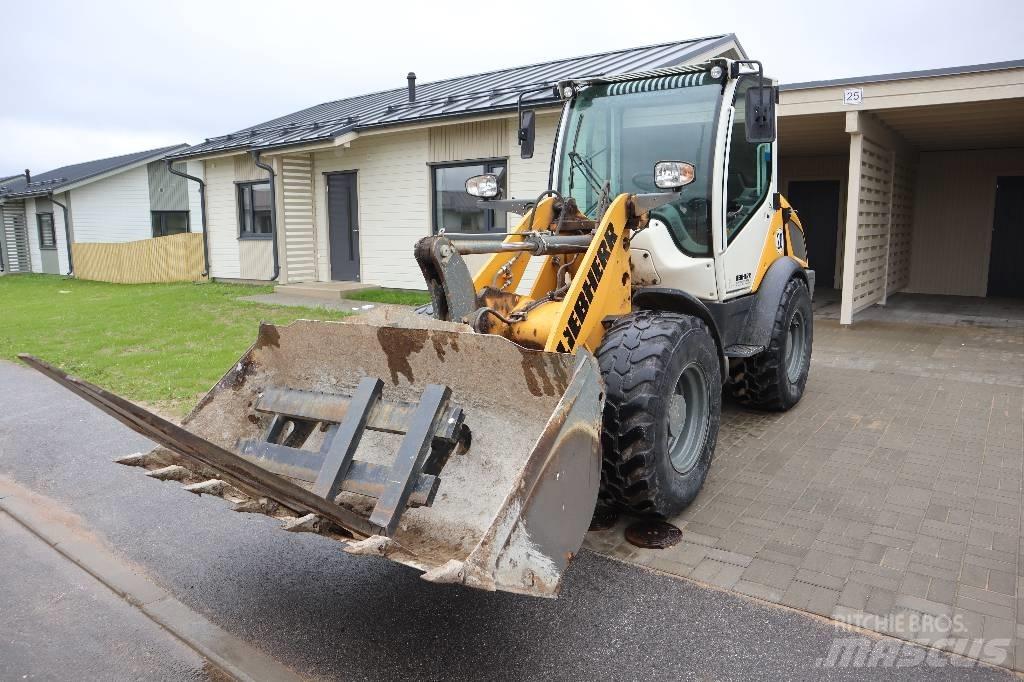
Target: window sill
255,237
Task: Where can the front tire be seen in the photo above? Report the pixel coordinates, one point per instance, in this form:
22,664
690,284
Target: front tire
775,378
662,410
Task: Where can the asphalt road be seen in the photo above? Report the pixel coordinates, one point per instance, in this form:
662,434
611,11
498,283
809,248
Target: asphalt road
332,616
57,621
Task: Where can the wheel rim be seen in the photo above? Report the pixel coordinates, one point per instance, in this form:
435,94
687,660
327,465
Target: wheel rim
689,417
796,343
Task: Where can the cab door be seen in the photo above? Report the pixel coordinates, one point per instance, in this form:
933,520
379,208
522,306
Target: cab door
749,183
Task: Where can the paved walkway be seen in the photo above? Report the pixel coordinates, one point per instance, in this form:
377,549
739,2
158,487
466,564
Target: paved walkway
930,309
890,497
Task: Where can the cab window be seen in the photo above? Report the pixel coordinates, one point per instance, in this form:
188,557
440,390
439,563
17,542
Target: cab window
750,168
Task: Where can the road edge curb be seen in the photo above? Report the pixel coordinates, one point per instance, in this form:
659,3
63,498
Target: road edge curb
233,656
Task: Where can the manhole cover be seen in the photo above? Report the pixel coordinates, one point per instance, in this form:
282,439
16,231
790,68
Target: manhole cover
653,534
604,518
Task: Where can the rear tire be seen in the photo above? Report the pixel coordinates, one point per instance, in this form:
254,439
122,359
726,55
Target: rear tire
662,409
775,378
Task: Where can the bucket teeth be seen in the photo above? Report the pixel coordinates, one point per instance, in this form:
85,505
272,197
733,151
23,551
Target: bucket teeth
214,486
138,459
310,523
375,545
174,472
258,506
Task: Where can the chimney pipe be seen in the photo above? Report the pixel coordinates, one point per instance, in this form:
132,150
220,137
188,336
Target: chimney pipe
28,176
412,86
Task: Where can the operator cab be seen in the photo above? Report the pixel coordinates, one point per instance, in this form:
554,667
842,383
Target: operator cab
717,117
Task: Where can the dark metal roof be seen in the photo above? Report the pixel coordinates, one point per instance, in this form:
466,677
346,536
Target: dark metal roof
466,95
58,178
907,75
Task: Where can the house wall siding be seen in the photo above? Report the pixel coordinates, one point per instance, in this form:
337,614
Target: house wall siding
463,141
32,228
255,258
167,192
296,186
17,258
394,204
195,169
114,209
394,188
952,221
222,218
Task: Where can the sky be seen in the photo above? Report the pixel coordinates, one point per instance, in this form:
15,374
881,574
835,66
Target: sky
88,80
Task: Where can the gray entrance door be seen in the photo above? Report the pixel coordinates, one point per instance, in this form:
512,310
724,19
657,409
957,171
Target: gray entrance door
343,226
817,204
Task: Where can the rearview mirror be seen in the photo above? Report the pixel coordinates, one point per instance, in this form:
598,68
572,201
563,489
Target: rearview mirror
760,114
527,134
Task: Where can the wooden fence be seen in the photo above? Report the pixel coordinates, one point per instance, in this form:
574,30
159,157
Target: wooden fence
176,258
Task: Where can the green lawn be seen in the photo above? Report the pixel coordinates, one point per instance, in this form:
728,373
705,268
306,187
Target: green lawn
397,296
161,344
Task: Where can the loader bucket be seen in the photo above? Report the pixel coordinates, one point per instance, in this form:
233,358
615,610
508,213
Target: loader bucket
462,455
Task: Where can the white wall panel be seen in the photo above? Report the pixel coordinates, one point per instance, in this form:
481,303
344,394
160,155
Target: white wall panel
222,217
394,204
114,209
195,169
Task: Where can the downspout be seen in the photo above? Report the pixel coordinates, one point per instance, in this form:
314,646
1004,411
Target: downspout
202,211
273,211
67,233
3,240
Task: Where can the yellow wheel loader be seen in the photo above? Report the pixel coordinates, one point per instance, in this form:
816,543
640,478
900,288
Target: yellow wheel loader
585,358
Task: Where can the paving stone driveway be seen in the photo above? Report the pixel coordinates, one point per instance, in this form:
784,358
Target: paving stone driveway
892,492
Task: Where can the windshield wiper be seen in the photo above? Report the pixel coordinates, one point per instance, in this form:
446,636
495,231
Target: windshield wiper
585,167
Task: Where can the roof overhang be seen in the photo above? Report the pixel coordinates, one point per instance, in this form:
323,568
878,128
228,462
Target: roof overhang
940,86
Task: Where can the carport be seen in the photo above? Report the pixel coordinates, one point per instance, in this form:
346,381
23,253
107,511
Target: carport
909,182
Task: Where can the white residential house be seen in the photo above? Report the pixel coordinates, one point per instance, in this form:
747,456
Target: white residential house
906,182
120,199
358,181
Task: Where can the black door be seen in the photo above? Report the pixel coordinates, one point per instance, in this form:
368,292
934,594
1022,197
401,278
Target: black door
1005,278
343,226
817,205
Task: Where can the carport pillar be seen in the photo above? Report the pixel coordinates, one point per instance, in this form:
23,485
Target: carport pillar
878,181
852,217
